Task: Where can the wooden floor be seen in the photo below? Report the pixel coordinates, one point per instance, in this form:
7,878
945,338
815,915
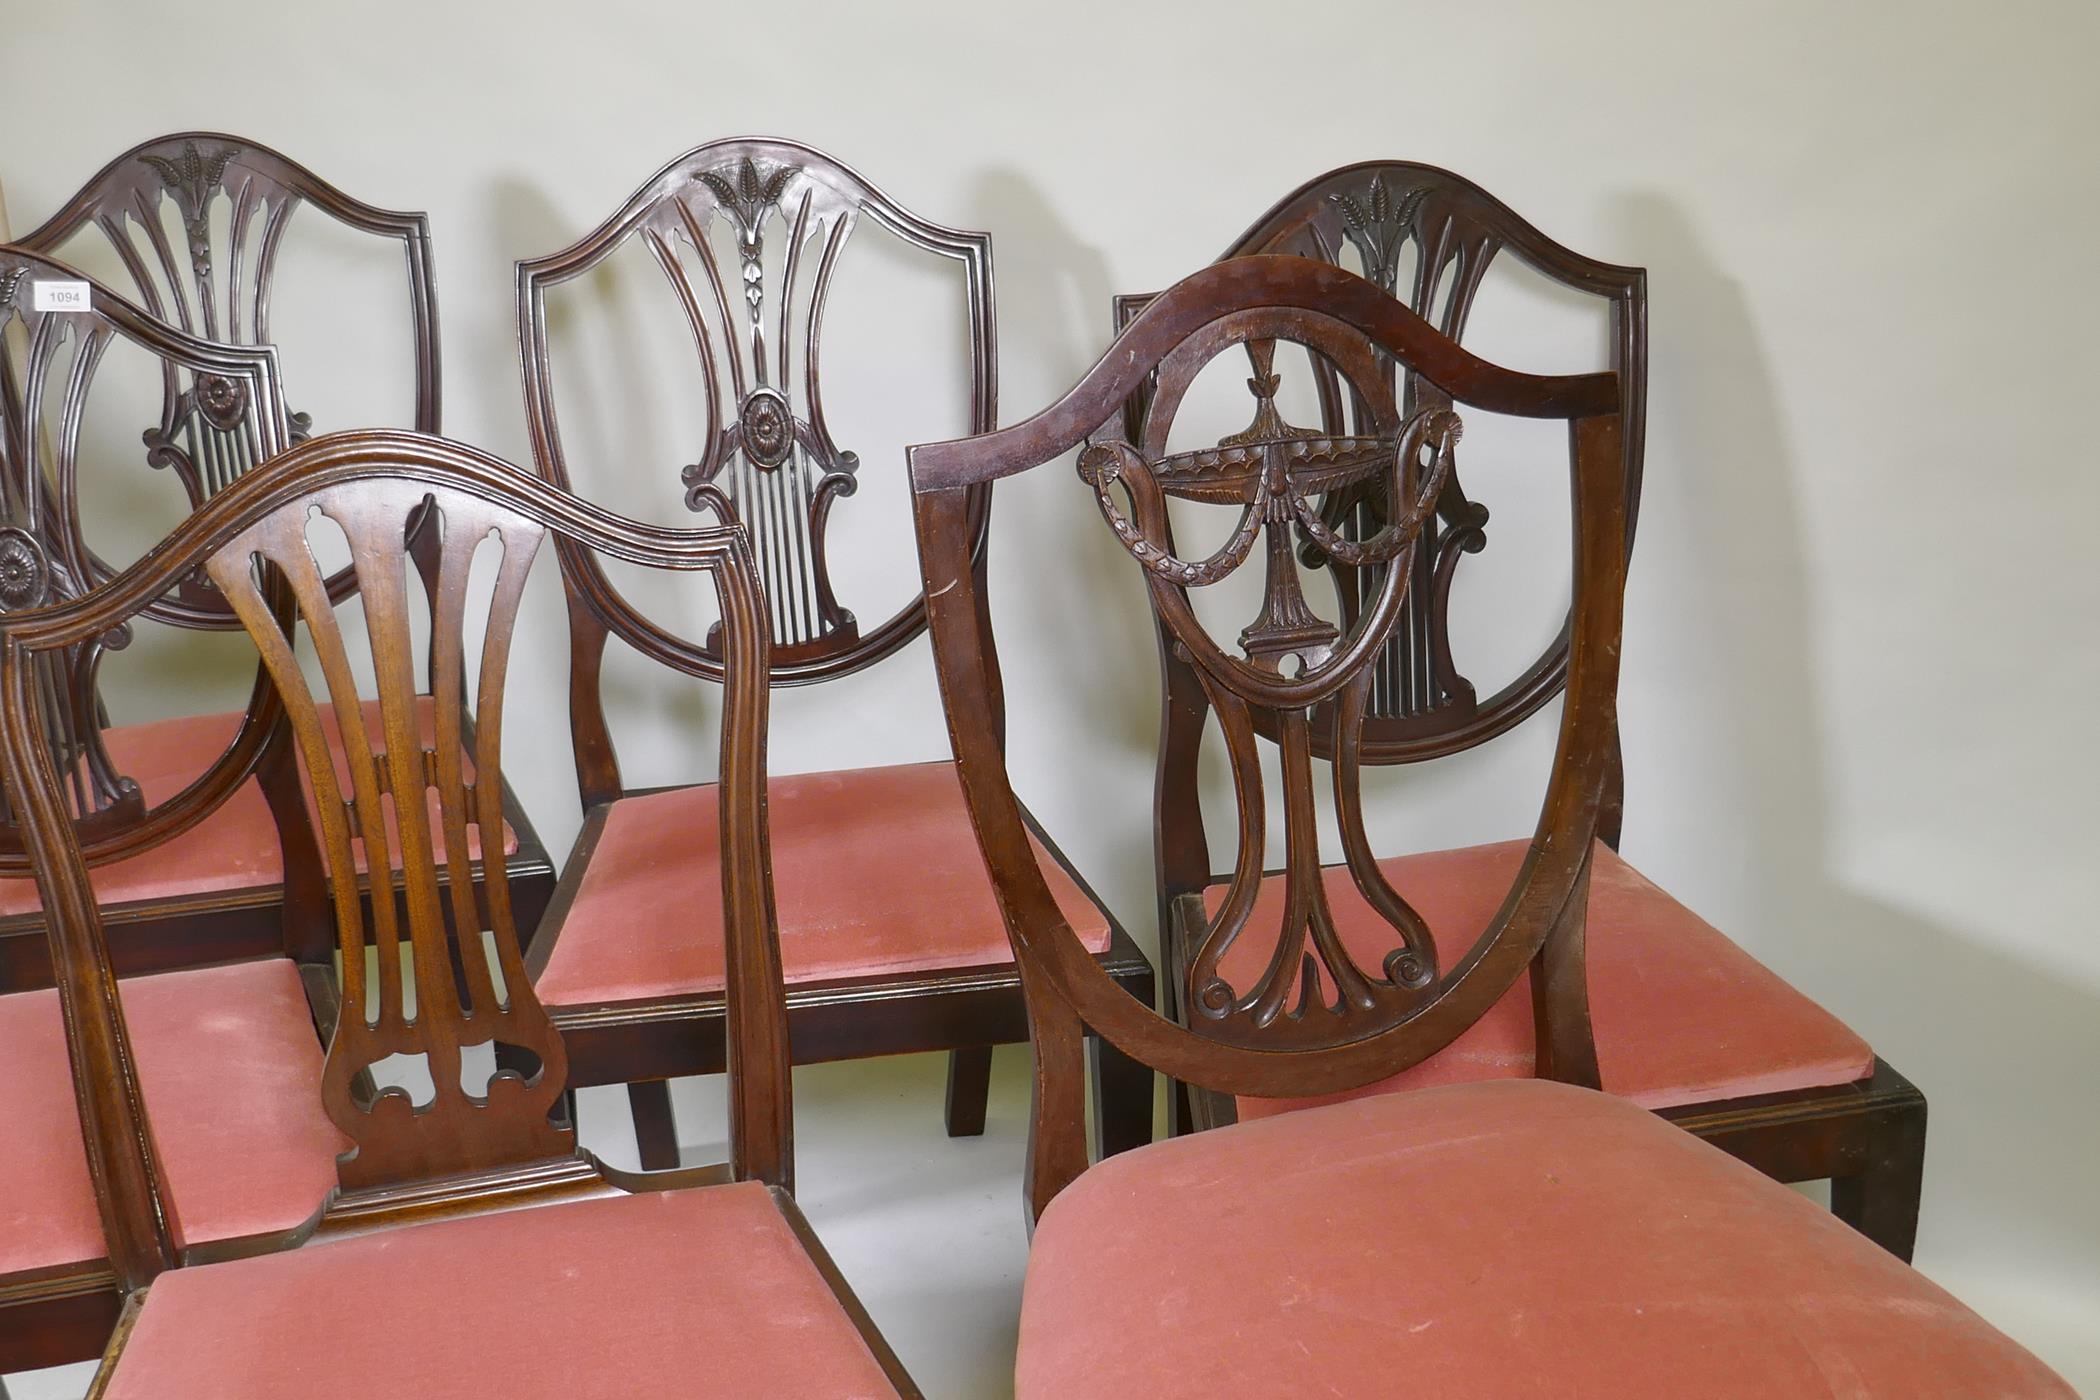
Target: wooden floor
928,1229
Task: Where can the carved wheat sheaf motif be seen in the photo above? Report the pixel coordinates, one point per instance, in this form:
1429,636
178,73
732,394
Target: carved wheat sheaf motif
1289,661
192,179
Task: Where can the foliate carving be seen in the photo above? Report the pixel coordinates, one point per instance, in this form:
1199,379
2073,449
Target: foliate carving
10,278
755,192
190,178
1377,227
25,570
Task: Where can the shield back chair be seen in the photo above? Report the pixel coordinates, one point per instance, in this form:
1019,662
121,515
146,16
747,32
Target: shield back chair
1521,1236
198,221
889,932
1688,1023
417,1269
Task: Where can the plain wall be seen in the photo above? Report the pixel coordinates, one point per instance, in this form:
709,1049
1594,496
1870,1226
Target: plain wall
1861,640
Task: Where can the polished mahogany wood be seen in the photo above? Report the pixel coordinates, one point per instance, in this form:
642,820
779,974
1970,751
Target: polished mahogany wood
1314,1022
1429,237
768,458
446,970
198,221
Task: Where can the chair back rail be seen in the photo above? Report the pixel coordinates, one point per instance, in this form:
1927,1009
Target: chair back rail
438,985
1419,705
767,456
1313,1019
55,328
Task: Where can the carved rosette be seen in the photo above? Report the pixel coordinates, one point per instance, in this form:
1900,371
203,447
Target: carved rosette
25,570
222,401
766,428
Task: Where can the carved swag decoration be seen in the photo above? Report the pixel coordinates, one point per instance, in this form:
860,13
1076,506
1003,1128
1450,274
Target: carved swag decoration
1291,661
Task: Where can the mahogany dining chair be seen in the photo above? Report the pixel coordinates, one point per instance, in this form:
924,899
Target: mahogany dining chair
1688,1023
889,931
453,1240
198,223
1517,1237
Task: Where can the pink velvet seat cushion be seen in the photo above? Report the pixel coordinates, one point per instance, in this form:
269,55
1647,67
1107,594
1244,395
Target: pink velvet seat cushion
876,871
231,1071
236,847
1681,1014
1508,1239
691,1293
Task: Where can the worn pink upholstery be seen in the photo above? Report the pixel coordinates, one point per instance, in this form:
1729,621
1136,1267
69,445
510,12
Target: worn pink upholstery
236,847
689,1293
1518,1238
1681,1014
231,1070
876,871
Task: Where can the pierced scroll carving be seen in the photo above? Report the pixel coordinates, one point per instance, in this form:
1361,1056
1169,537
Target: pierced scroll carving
1291,661
748,235
45,374
219,286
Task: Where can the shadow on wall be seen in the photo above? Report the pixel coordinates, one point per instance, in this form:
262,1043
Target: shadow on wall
1097,657
2002,1051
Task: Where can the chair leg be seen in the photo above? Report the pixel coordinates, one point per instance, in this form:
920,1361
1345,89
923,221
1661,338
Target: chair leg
655,1131
969,1089
1122,1098
1881,1200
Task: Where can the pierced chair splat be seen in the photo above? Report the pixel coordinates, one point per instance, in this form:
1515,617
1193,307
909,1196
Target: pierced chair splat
708,1275
890,932
1418,1224
197,223
1687,1022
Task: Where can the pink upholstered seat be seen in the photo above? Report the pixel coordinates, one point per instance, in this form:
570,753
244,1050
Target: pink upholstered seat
231,1071
1507,1239
690,1293
876,871
1682,1015
236,847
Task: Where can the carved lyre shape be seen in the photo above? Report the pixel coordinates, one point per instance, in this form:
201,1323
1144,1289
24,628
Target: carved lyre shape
1291,661
748,235
461,989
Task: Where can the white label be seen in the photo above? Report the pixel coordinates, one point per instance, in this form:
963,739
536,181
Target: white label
61,296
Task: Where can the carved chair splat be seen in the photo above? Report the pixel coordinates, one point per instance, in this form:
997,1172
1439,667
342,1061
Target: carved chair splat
1527,1199
198,221
1788,1088
418,1167
933,971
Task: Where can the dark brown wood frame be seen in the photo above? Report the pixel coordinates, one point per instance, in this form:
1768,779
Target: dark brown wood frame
1381,1023
462,1153
199,288
1868,1137
965,1011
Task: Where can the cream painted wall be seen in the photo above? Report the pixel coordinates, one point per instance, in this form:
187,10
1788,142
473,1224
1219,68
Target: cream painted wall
1861,639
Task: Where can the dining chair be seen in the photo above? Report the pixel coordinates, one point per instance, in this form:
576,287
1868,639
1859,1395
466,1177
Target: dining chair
1516,1237
464,1245
890,934
198,222
1688,1022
